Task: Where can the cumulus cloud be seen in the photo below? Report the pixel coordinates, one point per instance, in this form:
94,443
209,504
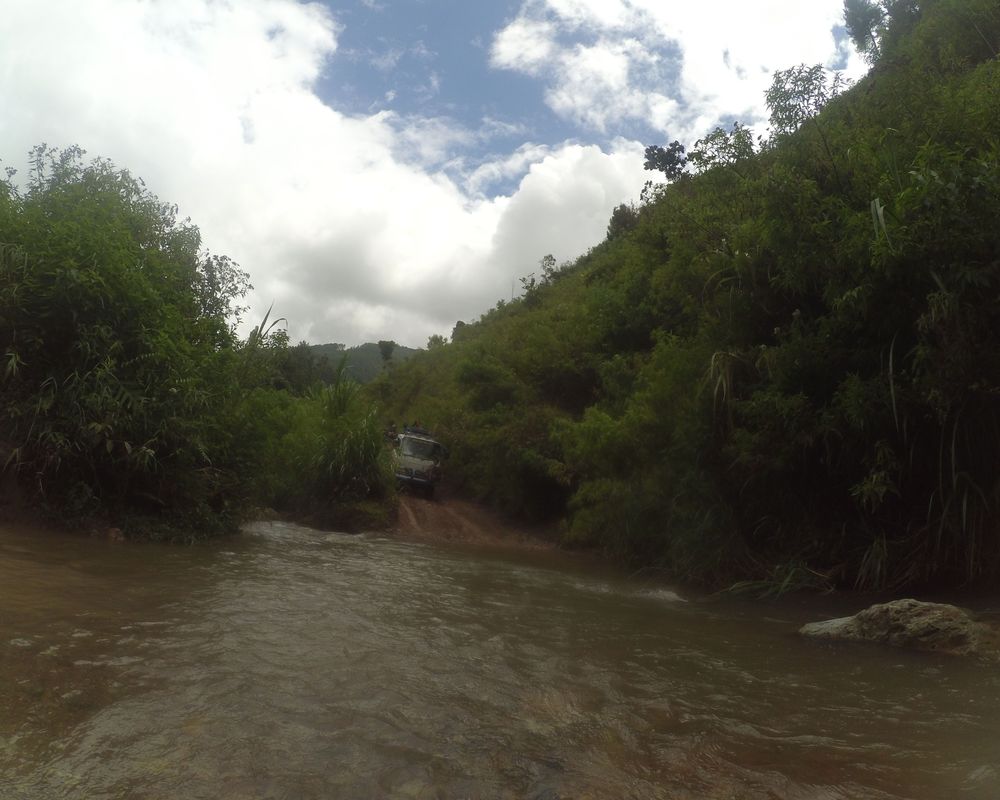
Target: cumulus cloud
596,84
562,202
349,224
679,68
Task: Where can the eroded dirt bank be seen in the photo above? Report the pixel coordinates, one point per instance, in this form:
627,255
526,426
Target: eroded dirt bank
460,521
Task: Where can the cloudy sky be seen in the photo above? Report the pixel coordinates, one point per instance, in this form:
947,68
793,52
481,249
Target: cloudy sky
383,168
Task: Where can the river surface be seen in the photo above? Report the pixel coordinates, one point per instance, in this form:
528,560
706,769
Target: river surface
289,663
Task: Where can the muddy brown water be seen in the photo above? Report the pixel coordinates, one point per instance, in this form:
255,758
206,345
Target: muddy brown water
289,663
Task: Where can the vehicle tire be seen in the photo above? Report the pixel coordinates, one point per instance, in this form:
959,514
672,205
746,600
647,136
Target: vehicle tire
429,491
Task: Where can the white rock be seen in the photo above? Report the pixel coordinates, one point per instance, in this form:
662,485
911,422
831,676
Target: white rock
913,624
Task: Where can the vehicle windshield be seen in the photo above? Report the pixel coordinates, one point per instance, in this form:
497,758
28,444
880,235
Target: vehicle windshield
420,448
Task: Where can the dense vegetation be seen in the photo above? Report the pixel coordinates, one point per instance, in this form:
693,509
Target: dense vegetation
365,362
784,365
125,393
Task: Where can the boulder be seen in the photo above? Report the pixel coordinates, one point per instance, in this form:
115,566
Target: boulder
916,625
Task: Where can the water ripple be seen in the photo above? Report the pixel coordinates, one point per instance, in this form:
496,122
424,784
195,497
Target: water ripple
289,663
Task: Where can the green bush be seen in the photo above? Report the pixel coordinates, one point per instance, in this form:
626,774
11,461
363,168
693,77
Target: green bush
125,390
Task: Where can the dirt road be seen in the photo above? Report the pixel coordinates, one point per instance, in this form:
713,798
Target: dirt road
455,520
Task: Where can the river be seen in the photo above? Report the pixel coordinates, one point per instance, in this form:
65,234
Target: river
290,663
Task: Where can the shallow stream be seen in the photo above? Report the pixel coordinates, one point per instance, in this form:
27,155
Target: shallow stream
289,663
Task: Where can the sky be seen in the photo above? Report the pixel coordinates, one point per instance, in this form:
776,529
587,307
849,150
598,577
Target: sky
384,168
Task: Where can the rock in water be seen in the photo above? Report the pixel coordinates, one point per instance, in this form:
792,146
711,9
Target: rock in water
913,624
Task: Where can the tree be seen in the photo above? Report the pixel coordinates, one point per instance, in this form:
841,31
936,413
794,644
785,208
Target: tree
220,285
385,347
723,148
623,219
548,267
669,160
435,341
798,94
863,19
875,25
299,369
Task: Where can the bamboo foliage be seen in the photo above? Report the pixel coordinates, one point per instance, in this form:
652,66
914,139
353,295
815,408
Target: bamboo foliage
792,368
109,381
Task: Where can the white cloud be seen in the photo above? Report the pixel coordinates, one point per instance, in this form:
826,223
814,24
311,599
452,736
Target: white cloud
428,142
344,222
596,85
563,204
505,168
680,68
525,45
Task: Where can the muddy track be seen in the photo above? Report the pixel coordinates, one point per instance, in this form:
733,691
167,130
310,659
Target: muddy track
460,521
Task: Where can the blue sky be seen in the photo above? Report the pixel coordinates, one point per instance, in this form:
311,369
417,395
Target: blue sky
431,59
384,168
404,48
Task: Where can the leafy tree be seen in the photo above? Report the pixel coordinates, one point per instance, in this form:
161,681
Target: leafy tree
298,369
548,267
864,19
798,94
876,25
221,284
723,148
669,160
623,219
386,348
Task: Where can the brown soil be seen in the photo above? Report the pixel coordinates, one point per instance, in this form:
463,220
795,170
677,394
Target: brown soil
459,521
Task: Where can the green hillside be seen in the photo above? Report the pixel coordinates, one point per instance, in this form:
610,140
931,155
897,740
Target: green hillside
783,366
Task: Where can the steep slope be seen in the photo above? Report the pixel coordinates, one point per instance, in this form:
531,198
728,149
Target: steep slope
783,366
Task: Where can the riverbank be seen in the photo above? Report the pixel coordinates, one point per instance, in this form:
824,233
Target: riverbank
463,522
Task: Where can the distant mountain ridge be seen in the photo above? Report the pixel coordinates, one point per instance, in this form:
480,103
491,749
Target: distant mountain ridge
364,362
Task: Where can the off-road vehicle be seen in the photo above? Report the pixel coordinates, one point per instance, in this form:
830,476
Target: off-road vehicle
418,461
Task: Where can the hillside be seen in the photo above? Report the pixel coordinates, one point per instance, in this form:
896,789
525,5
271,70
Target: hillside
784,365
